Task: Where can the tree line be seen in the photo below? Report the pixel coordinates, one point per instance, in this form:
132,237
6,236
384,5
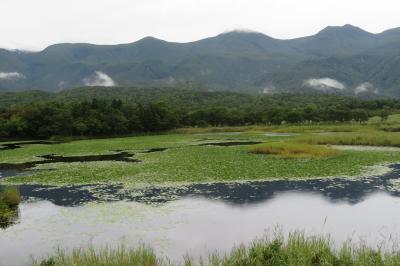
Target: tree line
101,117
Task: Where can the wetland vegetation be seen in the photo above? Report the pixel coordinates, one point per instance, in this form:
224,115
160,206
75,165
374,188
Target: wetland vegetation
296,250
203,156
9,201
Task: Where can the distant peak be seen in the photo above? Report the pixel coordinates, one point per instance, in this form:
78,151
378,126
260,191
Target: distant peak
150,39
345,29
243,33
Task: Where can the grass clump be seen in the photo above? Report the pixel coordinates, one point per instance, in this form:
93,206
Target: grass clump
297,250
120,256
10,196
362,138
9,200
294,150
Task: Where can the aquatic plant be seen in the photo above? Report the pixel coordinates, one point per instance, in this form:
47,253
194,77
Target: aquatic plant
293,150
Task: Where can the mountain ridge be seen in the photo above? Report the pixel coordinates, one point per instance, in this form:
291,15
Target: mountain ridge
235,60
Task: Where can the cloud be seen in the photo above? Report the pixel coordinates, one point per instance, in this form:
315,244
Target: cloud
269,89
11,76
365,87
99,79
324,84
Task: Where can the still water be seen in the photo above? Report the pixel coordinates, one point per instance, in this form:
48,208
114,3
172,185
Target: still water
200,219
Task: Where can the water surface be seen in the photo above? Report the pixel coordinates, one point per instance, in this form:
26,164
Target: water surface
201,218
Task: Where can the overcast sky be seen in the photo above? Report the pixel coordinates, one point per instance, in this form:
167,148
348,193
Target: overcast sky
35,24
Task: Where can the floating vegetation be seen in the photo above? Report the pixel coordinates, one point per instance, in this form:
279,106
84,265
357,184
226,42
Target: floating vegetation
181,159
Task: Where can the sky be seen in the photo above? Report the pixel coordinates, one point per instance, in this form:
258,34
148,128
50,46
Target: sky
35,24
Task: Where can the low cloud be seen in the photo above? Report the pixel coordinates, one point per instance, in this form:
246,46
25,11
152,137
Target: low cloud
11,76
269,89
365,87
99,79
324,84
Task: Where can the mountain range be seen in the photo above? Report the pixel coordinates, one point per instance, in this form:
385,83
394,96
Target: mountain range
338,59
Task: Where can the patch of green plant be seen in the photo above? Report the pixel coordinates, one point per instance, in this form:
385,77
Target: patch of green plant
9,200
294,150
10,196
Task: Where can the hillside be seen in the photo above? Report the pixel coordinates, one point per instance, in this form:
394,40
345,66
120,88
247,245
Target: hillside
362,63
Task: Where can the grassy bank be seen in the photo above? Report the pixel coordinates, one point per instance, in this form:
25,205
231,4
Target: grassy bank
297,249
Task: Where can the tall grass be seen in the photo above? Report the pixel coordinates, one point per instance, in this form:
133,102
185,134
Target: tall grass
297,250
293,150
361,138
120,256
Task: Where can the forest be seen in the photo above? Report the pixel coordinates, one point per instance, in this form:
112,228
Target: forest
109,112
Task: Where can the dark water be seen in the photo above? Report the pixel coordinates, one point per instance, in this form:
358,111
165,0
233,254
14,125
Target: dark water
121,156
230,143
17,145
202,218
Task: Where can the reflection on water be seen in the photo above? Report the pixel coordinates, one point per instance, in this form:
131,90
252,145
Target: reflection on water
194,225
9,218
334,189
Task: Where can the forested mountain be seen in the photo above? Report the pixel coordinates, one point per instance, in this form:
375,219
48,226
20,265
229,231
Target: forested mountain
345,59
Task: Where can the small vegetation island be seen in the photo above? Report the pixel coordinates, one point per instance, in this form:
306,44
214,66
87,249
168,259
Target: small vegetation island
158,145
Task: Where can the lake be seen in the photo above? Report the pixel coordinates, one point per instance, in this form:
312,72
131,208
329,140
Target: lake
201,218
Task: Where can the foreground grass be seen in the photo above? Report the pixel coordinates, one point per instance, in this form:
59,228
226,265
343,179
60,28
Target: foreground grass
297,249
294,150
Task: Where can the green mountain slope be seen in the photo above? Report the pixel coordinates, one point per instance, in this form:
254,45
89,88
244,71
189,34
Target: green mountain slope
246,61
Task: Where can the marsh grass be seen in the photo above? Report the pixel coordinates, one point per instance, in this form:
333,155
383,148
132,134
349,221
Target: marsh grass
120,256
9,200
361,138
10,196
296,249
294,150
